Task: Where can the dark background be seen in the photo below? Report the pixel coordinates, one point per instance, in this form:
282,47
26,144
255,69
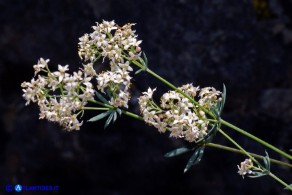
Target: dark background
205,42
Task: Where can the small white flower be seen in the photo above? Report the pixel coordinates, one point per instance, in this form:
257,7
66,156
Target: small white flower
149,93
63,69
40,65
125,66
245,167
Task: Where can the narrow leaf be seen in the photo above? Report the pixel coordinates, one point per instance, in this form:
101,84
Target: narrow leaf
138,71
214,111
145,59
100,116
82,113
109,119
176,152
119,111
101,98
257,174
195,158
223,99
267,161
208,138
115,116
288,188
108,92
199,158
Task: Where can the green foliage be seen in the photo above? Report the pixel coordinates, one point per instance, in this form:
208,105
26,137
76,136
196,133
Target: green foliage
267,166
177,152
195,158
257,174
101,98
144,62
112,116
210,135
288,188
100,116
267,162
223,99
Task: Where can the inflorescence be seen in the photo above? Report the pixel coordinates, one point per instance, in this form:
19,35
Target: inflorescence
62,97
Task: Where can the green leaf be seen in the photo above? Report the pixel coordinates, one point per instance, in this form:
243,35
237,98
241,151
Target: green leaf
119,111
267,161
177,152
101,98
100,116
109,119
145,59
215,112
108,92
211,133
82,113
115,116
223,99
138,71
195,158
286,188
257,174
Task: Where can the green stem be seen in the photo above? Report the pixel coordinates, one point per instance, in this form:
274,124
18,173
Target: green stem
108,107
253,159
94,108
172,87
280,181
238,146
256,139
218,146
211,114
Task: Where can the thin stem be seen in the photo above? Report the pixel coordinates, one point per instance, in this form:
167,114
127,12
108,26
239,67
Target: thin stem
108,107
238,146
210,144
94,108
218,146
280,181
123,111
132,115
256,139
172,86
253,159
211,114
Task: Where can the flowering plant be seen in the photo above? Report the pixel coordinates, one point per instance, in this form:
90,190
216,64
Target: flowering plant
187,112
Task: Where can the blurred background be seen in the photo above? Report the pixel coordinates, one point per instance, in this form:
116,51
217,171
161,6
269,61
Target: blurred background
245,44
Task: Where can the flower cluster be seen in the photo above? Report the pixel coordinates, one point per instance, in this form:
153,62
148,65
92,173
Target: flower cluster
118,45
118,84
109,41
245,167
177,114
59,94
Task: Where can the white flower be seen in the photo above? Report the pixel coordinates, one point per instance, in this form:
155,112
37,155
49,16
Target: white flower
112,42
176,113
108,26
245,167
63,69
89,70
149,93
59,95
40,65
118,82
125,66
